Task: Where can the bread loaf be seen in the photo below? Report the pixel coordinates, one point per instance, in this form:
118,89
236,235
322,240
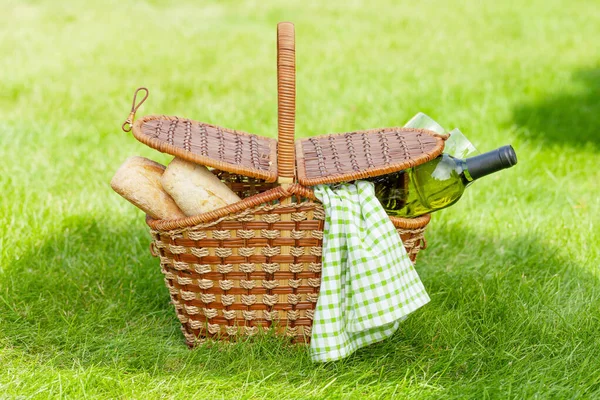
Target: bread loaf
194,188
138,181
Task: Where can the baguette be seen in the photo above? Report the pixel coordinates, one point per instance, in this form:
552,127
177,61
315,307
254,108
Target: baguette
194,188
138,181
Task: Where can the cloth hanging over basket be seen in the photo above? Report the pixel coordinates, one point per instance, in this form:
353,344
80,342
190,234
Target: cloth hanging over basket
369,284
256,264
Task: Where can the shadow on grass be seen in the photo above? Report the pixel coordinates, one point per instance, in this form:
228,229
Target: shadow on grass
571,119
90,283
92,293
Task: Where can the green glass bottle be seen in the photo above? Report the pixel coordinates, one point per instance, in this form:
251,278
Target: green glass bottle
438,183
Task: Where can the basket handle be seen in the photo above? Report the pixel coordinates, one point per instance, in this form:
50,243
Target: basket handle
286,102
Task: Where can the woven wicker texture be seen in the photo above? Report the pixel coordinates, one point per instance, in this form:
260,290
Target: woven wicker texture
256,264
286,100
210,145
255,269
358,155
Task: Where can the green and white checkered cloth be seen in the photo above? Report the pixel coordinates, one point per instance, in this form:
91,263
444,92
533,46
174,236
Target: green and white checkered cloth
368,283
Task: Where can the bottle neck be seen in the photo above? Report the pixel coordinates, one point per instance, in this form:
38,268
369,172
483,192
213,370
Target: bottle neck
488,163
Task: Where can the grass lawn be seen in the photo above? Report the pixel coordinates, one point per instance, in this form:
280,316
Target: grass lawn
512,269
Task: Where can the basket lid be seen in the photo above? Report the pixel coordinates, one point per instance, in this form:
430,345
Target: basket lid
322,159
213,146
364,154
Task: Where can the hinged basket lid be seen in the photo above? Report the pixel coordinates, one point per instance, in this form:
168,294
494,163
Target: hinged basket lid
316,160
225,149
363,154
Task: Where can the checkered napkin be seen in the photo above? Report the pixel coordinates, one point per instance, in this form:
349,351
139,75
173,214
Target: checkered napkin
368,283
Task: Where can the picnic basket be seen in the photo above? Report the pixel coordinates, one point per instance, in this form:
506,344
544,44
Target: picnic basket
256,264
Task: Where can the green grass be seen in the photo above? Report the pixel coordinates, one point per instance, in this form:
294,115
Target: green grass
512,270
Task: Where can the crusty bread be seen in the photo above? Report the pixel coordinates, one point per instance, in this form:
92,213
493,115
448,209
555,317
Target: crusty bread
194,188
138,181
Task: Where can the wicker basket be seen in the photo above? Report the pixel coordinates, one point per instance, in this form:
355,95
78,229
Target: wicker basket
256,264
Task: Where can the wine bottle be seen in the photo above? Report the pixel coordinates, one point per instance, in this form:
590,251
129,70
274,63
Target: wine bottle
438,183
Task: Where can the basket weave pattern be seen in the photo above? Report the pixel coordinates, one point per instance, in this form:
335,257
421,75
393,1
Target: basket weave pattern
362,154
259,268
210,145
256,264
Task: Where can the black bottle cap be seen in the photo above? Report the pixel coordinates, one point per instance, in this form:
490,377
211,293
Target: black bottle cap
492,161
